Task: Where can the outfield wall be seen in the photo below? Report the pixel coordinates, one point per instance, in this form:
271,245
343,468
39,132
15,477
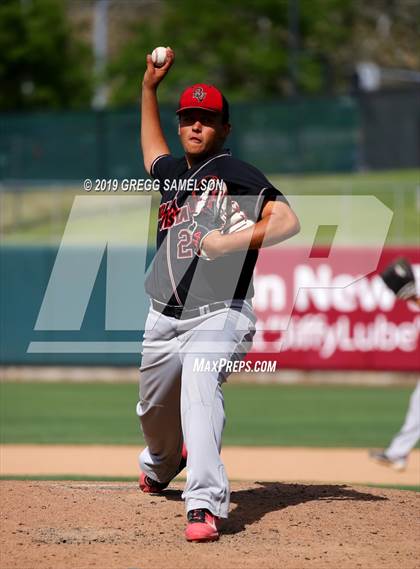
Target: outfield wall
361,326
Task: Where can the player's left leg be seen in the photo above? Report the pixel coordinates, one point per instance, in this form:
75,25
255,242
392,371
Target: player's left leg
224,336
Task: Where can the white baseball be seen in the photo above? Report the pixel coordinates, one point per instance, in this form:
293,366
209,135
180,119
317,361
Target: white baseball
159,56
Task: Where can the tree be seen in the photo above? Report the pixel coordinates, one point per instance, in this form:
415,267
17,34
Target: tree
244,46
42,65
239,45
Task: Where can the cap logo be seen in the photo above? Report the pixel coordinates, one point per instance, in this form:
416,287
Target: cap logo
199,94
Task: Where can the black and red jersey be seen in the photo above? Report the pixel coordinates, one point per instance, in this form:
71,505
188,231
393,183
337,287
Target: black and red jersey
177,275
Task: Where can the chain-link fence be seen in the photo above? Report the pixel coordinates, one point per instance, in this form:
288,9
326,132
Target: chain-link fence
298,136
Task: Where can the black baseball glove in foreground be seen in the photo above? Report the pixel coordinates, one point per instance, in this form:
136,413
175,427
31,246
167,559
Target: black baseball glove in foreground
399,277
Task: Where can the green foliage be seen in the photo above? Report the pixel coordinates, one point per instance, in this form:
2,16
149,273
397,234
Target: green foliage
251,49
239,45
319,416
243,46
41,65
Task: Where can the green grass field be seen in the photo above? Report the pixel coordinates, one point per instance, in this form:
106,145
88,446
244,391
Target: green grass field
319,416
40,215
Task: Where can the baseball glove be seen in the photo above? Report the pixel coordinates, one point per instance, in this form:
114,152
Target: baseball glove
214,210
235,219
399,277
208,215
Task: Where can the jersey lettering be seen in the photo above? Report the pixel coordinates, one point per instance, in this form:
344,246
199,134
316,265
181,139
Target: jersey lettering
171,214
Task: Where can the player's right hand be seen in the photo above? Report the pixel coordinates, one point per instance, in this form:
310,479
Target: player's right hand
154,75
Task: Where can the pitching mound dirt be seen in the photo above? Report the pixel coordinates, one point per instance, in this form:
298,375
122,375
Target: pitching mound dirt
62,525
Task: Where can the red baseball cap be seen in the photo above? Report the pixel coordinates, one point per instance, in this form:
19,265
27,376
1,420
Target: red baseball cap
207,97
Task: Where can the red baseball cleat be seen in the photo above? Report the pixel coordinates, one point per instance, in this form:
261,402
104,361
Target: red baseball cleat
150,486
202,526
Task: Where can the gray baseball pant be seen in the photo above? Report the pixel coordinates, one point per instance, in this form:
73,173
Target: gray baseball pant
409,434
179,403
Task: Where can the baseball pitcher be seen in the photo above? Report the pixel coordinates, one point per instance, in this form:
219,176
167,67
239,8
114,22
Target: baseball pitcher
215,213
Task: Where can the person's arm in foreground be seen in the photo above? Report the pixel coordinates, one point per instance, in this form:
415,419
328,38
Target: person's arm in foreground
278,223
